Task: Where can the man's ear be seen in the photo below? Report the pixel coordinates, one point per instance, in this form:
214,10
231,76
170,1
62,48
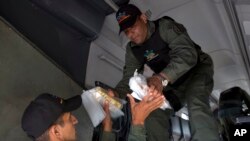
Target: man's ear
144,18
55,132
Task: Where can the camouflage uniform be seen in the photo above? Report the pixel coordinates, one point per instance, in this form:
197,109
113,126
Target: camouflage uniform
137,133
194,90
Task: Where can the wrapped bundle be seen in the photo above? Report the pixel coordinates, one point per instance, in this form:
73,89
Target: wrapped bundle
138,84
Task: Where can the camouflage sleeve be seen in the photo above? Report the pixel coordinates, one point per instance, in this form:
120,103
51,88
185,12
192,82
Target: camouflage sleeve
131,64
108,136
137,133
183,55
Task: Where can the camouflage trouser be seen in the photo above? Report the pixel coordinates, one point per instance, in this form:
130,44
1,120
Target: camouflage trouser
157,125
195,93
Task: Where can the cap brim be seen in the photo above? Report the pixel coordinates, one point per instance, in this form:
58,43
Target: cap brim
72,104
127,23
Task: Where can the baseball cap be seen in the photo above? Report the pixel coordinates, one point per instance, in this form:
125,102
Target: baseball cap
42,112
126,16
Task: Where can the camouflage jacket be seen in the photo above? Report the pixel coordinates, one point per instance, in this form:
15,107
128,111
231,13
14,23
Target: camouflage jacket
183,54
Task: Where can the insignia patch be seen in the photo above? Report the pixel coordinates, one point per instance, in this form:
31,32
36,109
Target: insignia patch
149,54
122,16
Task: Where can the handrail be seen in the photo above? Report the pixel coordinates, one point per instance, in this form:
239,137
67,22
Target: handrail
108,60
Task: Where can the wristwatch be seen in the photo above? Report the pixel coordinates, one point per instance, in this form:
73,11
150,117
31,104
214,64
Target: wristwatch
164,81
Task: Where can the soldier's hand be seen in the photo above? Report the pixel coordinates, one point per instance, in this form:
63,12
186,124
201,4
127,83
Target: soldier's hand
155,82
107,121
111,93
141,110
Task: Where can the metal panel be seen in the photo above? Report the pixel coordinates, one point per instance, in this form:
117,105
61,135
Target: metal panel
81,16
177,133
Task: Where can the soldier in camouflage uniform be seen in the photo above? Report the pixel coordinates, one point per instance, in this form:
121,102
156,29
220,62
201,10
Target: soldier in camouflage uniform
165,46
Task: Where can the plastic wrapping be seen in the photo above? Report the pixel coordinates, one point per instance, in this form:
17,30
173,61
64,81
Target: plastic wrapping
138,84
93,100
101,95
93,108
115,104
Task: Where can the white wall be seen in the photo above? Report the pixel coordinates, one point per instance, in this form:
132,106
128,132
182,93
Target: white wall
106,56
24,74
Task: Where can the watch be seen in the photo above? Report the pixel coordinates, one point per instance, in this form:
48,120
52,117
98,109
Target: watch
164,81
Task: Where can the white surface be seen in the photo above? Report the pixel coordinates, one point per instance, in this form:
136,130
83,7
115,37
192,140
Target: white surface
246,25
93,108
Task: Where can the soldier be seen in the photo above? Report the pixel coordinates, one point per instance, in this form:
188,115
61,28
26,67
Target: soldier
178,63
49,118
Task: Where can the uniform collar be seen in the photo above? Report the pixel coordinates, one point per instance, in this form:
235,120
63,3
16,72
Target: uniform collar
151,27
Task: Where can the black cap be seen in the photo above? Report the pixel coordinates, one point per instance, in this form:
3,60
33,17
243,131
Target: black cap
126,16
42,112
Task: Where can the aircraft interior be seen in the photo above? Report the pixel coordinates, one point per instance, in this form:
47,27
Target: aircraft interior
67,46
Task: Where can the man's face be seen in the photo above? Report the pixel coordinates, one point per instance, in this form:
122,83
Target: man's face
68,129
138,32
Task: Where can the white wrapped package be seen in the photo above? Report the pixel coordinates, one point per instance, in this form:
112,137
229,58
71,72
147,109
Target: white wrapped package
138,84
93,100
93,108
115,105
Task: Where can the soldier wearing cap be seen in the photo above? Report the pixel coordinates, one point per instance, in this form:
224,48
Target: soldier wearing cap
187,72
49,118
